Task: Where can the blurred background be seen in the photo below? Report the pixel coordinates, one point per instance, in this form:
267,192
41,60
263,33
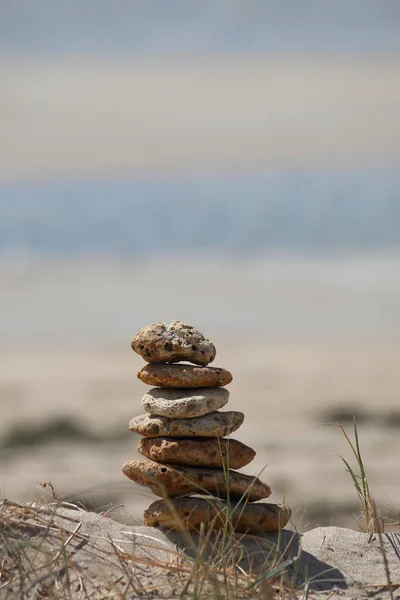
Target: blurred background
234,165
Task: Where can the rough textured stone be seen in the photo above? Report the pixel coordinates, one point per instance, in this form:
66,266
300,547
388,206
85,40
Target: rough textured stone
189,513
183,376
173,342
184,404
172,482
216,424
201,452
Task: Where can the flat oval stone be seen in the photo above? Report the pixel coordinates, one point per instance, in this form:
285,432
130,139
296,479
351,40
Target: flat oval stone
171,482
183,376
176,403
216,424
188,514
201,452
173,342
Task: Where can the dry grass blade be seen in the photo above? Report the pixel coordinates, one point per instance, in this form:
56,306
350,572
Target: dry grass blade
378,530
43,546
360,481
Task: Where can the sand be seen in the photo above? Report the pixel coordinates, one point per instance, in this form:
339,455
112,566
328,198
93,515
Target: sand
285,393
82,118
296,362
323,560
303,338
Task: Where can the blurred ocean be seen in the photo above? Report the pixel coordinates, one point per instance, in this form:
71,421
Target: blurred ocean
297,210
190,26
127,184
233,164
303,253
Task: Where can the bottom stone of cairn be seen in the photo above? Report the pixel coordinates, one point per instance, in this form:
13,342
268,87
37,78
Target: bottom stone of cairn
188,514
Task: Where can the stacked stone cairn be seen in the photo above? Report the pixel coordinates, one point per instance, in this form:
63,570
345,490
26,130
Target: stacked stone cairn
185,443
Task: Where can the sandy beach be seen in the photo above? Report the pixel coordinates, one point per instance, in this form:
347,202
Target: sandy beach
297,364
234,167
285,389
82,118
308,340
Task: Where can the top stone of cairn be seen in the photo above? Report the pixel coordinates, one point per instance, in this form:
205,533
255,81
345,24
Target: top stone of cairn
172,342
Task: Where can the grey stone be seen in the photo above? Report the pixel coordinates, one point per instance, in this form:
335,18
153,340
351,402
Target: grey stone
184,404
217,424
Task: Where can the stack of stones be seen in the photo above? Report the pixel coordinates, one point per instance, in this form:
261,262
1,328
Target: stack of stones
185,443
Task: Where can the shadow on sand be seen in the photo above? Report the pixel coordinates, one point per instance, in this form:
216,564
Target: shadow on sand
263,555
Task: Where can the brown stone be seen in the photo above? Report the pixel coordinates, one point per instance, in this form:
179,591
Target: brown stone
176,403
189,513
217,424
183,376
172,482
201,452
173,342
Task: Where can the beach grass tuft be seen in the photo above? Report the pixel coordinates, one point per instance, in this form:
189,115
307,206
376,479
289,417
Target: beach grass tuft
370,520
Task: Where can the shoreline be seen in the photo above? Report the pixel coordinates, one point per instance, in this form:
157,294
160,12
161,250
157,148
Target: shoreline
99,300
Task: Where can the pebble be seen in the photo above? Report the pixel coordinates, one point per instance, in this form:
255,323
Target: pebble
173,342
171,482
184,404
189,513
201,452
217,424
183,376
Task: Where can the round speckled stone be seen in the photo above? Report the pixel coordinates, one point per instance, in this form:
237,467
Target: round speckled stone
173,342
